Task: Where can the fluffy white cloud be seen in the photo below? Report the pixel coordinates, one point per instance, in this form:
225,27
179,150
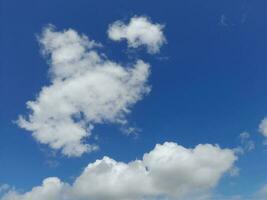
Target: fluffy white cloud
139,31
169,171
263,127
86,89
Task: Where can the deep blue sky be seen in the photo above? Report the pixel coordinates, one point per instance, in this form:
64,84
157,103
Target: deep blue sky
208,83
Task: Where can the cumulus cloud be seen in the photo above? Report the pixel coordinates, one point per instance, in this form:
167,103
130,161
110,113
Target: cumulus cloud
85,89
169,171
139,31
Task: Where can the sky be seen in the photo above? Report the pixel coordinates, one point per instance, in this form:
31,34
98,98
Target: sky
133,100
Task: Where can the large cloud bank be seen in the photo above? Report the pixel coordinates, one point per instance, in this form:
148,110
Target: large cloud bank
169,171
86,89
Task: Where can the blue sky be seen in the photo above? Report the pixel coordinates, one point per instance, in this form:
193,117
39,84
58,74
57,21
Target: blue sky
208,84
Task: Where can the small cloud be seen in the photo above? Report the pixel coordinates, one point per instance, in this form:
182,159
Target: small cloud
247,144
263,127
263,130
140,31
244,135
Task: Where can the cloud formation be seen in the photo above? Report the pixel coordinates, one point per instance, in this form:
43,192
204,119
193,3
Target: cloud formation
86,89
169,171
140,31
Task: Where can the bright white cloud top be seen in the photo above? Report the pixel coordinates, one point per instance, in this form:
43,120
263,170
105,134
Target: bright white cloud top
169,171
86,89
140,31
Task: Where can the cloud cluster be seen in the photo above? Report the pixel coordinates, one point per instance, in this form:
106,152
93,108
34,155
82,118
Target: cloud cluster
169,171
86,89
140,31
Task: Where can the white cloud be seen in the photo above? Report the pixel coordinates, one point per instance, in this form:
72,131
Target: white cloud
86,89
140,31
263,127
169,171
